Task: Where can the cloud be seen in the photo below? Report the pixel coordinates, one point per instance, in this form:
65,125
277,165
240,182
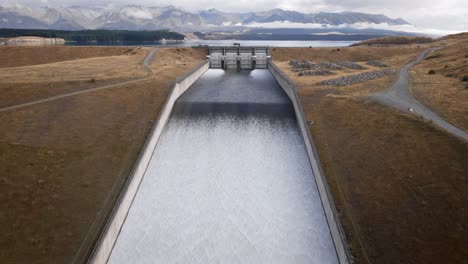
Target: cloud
441,15
138,13
385,26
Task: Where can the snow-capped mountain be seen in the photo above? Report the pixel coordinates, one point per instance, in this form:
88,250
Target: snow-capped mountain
135,17
69,18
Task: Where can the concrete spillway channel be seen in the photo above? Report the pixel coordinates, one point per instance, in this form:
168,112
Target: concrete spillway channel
229,181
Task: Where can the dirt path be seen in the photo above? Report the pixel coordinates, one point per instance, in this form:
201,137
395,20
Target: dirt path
400,97
146,64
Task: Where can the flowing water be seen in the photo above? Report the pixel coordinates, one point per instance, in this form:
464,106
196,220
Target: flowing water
229,182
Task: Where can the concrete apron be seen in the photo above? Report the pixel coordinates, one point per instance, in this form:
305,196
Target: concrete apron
337,233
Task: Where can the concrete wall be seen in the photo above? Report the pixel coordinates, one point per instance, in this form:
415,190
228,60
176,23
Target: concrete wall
111,232
235,57
331,214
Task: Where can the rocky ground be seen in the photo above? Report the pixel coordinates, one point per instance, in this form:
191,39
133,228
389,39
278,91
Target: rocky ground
355,78
305,67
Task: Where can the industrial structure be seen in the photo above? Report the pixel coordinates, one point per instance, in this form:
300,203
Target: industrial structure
238,58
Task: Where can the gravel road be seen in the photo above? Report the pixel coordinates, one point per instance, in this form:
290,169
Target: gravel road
400,97
146,63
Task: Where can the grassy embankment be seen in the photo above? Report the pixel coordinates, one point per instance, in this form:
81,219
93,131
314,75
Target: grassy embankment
398,182
63,163
441,81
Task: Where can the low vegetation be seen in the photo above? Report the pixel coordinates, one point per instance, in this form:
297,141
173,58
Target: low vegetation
459,36
18,56
395,40
94,35
439,82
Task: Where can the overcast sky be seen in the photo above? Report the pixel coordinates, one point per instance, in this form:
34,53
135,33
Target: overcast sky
437,14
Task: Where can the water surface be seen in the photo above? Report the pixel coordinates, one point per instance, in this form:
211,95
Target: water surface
272,43
229,182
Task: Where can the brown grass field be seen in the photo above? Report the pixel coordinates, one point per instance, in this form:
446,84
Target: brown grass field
395,40
399,183
63,162
27,83
444,91
17,56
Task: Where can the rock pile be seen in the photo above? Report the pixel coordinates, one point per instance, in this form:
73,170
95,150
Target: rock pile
300,65
331,66
351,65
376,64
315,73
356,78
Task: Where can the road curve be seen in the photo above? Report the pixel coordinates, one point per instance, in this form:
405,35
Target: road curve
146,64
399,96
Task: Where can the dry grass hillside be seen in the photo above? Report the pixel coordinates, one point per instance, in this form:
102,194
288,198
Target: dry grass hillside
395,40
441,82
362,53
17,56
463,35
27,83
397,181
63,163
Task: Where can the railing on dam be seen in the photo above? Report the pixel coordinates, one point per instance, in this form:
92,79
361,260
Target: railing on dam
240,58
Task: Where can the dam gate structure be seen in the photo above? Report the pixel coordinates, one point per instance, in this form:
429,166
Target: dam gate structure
240,58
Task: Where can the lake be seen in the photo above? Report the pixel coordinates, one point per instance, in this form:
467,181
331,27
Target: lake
271,43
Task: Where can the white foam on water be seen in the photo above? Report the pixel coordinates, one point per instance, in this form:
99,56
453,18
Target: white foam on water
228,186
227,190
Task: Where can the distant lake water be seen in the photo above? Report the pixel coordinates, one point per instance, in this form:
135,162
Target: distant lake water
271,43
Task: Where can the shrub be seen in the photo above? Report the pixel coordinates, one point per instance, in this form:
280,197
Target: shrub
431,72
465,78
92,80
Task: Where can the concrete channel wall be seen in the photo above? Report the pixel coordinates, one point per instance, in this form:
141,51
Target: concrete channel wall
339,240
112,229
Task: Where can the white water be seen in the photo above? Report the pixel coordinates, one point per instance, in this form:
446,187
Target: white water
224,189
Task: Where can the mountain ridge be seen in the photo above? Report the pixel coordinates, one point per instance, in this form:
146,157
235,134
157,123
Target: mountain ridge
137,17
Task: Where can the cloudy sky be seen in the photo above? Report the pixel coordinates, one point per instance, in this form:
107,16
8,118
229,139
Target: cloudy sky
435,14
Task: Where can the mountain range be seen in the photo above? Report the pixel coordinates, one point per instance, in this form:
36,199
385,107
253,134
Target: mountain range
135,17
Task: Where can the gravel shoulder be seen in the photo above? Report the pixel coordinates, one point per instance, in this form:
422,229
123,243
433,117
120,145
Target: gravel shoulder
399,96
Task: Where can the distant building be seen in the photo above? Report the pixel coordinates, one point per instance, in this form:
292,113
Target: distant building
35,41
